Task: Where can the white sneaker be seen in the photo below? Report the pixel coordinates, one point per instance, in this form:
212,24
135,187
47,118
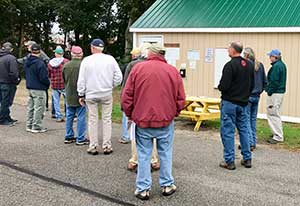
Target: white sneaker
28,130
35,131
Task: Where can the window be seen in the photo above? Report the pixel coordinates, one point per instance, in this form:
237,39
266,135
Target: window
152,39
221,58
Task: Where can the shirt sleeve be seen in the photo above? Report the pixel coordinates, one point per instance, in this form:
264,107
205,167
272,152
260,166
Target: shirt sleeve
128,96
81,82
13,70
43,74
226,78
273,80
180,100
117,74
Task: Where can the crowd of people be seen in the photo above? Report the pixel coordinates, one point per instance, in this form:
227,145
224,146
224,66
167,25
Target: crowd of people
152,96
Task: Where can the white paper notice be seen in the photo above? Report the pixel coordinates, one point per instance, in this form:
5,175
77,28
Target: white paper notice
193,65
193,55
172,55
209,55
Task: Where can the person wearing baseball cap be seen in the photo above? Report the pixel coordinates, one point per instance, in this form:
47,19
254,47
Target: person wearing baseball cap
129,134
276,89
153,96
99,74
9,78
37,82
74,109
55,67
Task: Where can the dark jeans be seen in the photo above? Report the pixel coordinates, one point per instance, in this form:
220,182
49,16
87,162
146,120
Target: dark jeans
13,91
252,115
234,116
5,96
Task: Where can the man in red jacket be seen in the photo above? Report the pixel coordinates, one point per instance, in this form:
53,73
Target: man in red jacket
152,97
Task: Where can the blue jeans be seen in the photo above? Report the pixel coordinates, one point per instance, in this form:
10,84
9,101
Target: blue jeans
56,93
80,112
252,115
144,143
234,116
125,134
5,96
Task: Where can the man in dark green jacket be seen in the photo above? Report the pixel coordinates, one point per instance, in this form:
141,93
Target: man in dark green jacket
275,90
70,76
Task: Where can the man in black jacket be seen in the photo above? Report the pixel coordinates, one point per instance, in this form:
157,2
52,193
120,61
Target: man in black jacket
37,82
236,85
9,76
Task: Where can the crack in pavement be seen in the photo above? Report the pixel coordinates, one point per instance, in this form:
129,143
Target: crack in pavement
65,184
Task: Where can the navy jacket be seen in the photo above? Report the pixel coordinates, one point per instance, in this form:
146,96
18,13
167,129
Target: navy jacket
36,74
9,73
260,81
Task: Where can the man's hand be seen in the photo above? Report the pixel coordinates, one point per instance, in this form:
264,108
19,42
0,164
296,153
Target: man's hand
82,101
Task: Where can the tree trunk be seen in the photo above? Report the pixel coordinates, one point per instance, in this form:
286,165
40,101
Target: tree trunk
128,38
21,39
77,40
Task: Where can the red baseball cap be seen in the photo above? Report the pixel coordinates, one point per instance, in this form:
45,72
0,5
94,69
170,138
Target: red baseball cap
76,50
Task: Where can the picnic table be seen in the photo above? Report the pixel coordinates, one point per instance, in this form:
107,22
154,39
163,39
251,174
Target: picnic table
199,109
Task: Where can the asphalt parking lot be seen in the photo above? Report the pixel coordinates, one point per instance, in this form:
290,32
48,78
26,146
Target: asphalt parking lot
41,170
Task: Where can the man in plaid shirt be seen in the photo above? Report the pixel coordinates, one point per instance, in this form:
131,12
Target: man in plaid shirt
55,68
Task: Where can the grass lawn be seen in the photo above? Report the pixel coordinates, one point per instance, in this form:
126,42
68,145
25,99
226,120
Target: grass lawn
22,96
291,131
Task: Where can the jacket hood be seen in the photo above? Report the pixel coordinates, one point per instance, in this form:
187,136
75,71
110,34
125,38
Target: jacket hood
3,53
55,62
32,60
157,57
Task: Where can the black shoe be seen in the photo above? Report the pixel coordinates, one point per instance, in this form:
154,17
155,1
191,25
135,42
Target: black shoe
53,116
145,195
70,140
229,166
246,163
84,142
273,141
7,123
169,190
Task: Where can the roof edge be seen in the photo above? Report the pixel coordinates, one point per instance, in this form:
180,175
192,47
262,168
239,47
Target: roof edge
218,30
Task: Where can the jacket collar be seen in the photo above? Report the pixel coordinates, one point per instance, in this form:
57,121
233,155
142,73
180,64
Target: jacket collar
279,60
157,57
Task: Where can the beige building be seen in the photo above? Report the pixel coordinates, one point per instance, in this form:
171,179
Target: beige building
199,44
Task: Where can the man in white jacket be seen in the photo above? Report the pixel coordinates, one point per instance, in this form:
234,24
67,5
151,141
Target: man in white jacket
99,74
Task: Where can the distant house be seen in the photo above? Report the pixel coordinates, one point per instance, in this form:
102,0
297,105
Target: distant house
197,33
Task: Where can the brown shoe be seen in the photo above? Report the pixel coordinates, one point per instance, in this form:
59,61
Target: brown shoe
155,166
229,166
132,167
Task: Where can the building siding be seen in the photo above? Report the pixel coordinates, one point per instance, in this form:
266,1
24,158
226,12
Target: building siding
200,82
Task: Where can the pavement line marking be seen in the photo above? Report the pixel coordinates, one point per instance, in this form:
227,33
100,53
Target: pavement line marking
65,184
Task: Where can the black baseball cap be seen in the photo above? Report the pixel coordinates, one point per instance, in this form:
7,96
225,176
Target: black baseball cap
7,46
35,48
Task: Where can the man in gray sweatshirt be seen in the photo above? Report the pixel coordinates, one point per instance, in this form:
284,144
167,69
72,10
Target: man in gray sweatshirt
99,74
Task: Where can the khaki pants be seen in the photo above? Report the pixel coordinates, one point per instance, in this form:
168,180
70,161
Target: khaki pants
35,109
274,104
93,121
134,157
